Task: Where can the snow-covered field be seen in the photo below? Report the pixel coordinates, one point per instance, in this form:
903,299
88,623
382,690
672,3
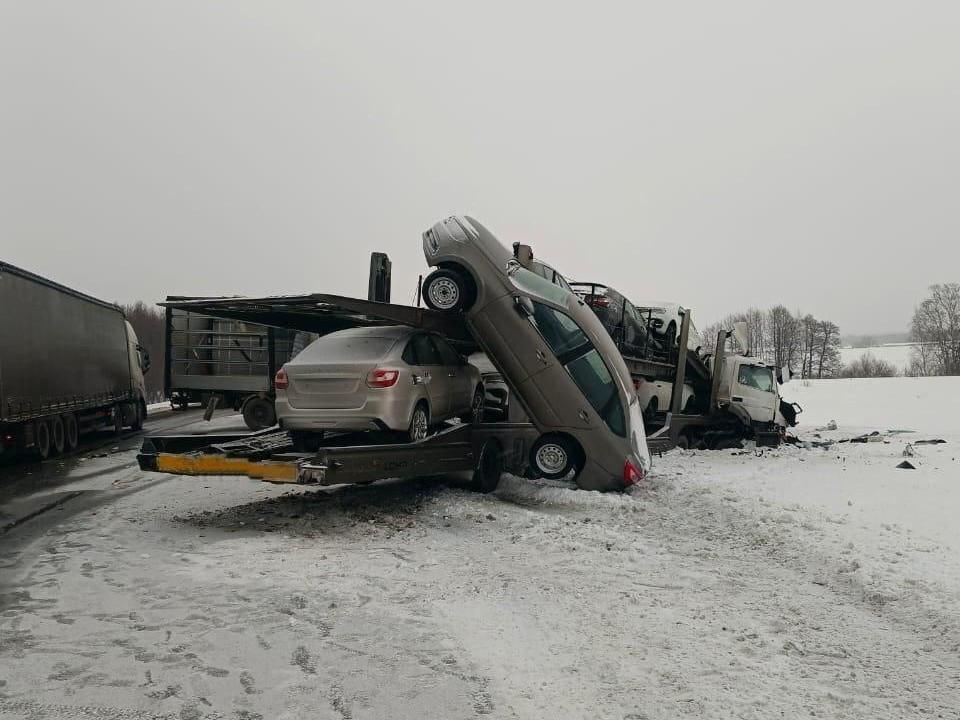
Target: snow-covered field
795,582
897,354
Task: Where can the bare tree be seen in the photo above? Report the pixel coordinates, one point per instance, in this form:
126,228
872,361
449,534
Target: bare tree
936,330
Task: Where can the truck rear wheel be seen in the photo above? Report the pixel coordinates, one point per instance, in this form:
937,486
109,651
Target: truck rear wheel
57,434
41,439
259,413
71,431
141,416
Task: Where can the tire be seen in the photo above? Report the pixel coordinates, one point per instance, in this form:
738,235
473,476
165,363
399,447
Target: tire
652,407
117,419
670,337
448,290
259,413
419,427
477,404
554,456
71,432
57,435
486,475
306,442
41,439
140,418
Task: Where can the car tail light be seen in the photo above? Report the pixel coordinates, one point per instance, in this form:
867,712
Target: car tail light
280,380
632,475
381,378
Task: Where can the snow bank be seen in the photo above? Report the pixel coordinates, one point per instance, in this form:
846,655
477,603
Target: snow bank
927,405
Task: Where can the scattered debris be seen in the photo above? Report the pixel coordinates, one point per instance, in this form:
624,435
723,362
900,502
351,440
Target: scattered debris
937,441
906,465
908,451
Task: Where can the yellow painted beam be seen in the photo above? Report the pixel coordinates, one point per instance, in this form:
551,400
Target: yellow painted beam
269,470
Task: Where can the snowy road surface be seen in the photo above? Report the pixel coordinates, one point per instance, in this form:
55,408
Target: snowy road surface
793,583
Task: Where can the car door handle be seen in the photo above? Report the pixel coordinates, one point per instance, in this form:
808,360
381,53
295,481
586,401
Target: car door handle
542,356
737,398
584,416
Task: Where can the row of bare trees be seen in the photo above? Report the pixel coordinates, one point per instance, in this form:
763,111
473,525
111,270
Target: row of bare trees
148,323
936,331
799,342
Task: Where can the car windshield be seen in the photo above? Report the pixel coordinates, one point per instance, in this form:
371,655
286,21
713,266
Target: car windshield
533,284
757,377
577,354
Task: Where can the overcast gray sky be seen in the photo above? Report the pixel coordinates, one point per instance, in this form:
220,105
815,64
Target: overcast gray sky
671,150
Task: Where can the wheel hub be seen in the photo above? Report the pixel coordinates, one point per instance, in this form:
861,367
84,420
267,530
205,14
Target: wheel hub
419,425
444,293
551,458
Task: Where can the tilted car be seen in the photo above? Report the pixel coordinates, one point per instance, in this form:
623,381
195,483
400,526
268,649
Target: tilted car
554,353
377,378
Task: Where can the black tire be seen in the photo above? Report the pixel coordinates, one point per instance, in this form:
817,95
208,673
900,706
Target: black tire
670,337
71,432
486,475
117,419
448,290
41,439
419,427
554,456
305,441
57,435
477,404
259,413
652,407
141,416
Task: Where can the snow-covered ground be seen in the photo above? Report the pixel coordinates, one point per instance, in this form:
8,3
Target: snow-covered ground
897,354
795,582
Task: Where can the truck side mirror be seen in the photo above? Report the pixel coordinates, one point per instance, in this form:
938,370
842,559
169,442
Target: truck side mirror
144,359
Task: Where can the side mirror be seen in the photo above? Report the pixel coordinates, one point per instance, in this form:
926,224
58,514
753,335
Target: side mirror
144,359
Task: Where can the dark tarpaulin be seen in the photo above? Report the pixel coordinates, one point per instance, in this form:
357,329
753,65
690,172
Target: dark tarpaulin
322,314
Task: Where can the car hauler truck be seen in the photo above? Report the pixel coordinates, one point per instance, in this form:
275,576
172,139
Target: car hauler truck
68,363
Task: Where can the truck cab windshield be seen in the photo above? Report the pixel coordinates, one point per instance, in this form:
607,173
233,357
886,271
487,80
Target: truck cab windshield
757,377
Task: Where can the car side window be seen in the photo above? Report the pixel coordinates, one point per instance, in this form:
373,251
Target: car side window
409,355
559,329
448,355
582,361
424,351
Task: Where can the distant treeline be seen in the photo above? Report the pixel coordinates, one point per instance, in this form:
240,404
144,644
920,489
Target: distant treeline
936,331
807,346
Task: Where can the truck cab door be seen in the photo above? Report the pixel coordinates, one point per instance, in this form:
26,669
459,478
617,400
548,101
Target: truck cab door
754,389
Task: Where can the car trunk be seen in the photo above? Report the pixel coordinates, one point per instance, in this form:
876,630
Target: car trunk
333,376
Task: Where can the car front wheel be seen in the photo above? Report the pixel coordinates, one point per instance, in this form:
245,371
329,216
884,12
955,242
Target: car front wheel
447,290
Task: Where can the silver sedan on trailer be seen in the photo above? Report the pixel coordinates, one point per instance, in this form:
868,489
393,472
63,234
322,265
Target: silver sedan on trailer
377,378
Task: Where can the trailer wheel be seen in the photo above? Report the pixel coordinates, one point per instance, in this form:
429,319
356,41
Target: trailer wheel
259,413
554,456
57,439
448,290
141,416
41,438
71,431
486,475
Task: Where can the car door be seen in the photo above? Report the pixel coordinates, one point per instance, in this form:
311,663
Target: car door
458,377
430,371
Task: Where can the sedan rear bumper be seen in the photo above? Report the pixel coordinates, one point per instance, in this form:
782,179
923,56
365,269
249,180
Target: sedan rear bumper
377,413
